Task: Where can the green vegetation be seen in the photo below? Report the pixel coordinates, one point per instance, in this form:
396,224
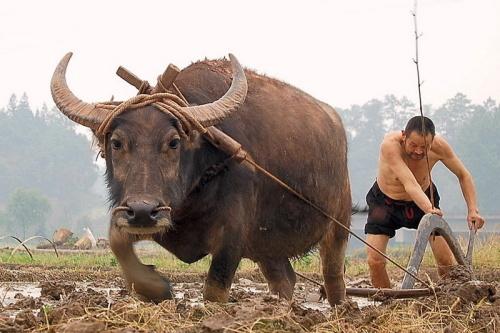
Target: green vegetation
152,255
486,255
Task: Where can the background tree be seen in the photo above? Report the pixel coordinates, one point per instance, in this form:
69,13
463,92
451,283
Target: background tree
26,213
453,115
478,143
397,112
42,151
365,125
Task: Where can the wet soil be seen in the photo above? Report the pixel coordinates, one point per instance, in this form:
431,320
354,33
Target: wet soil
35,298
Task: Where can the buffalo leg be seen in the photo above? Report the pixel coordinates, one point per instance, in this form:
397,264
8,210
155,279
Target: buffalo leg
143,279
220,275
280,276
332,252
226,254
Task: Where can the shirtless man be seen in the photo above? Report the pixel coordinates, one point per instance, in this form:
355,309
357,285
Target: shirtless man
400,195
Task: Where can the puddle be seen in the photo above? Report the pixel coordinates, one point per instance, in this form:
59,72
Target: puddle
324,306
364,302
9,291
320,306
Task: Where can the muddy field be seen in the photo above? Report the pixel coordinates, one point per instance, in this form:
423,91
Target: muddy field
41,298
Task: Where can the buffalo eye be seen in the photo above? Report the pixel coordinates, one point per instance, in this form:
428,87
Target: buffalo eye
115,144
174,143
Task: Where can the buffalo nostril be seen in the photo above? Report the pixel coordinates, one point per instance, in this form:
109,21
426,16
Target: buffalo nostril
154,214
130,213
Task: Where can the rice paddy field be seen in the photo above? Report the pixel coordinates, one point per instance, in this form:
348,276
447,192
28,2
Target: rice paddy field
83,291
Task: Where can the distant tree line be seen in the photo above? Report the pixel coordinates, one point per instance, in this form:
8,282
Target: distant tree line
49,179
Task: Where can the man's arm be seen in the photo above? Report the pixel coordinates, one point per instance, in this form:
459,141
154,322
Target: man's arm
392,155
453,163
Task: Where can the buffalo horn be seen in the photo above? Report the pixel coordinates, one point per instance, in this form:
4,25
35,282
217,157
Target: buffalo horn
83,113
212,113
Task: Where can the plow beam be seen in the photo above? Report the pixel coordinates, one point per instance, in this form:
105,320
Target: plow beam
428,224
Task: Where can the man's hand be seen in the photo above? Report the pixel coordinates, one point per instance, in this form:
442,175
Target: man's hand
475,220
436,211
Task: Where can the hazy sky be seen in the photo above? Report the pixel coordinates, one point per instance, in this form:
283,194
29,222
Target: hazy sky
342,52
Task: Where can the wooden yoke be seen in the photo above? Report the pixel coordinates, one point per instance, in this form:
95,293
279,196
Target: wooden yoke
215,136
166,80
129,77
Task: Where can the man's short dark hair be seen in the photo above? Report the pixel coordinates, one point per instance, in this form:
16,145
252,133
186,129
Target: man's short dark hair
415,125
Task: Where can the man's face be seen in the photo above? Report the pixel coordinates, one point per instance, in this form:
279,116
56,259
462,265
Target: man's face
414,145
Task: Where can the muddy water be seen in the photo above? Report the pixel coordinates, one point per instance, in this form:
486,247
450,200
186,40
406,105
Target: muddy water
309,297
96,300
11,292
189,293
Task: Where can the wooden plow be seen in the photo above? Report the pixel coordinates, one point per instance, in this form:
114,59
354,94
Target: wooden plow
429,224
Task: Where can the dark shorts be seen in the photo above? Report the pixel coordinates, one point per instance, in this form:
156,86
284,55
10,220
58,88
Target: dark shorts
386,215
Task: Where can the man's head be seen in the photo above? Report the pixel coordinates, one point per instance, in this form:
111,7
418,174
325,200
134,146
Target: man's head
416,135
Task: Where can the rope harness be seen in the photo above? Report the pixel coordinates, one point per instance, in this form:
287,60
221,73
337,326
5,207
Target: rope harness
168,103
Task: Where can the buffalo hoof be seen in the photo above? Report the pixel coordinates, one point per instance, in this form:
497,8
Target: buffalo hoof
153,287
336,298
215,294
335,289
283,289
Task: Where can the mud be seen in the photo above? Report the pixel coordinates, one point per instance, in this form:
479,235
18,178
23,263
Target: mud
37,298
461,283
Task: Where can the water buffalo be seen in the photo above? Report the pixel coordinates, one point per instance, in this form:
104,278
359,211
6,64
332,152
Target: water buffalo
158,178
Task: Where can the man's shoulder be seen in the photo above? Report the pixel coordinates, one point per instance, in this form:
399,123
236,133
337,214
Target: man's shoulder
391,144
440,146
392,139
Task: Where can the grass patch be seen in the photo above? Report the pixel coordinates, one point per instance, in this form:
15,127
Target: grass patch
486,255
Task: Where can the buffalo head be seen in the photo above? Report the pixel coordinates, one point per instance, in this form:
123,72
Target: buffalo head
144,150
